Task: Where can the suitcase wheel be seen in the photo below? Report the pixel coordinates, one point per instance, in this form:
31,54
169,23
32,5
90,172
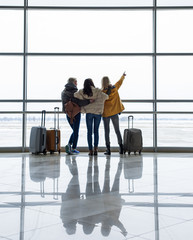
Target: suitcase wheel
44,152
129,153
135,153
140,152
59,151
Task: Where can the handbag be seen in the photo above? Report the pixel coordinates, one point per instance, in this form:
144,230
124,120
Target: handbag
71,109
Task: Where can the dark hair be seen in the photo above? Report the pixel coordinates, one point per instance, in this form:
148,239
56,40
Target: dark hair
72,80
87,87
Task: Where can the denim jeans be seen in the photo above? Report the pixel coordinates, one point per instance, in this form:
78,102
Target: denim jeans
75,127
115,121
90,119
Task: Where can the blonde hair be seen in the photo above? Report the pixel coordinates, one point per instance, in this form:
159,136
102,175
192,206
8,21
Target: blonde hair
105,82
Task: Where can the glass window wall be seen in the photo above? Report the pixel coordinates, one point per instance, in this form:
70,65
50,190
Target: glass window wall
52,73
11,2
85,3
181,3
175,130
174,77
10,130
174,31
11,77
11,29
90,31
69,39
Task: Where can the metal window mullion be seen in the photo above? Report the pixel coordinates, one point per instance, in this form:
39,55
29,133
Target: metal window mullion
154,77
22,207
112,54
174,7
24,78
123,100
156,194
156,212
95,54
90,8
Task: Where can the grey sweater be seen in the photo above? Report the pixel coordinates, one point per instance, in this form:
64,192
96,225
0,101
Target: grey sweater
68,94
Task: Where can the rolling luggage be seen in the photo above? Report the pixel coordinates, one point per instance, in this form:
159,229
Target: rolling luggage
132,140
53,135
38,137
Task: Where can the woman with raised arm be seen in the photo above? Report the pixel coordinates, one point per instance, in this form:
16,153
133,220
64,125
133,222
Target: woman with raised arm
112,108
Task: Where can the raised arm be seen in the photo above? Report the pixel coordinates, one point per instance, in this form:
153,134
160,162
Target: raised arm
119,83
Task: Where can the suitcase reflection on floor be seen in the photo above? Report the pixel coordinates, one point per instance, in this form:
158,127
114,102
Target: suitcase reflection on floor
97,207
42,168
133,169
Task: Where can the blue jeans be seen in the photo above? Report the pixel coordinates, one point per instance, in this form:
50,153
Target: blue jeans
75,127
90,119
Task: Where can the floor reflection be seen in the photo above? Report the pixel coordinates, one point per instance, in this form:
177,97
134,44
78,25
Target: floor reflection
41,167
97,206
146,196
133,169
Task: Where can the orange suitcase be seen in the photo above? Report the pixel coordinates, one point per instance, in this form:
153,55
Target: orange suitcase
53,135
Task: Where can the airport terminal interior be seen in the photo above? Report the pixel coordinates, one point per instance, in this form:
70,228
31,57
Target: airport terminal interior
56,196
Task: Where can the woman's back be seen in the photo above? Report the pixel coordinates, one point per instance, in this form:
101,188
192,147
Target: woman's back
97,106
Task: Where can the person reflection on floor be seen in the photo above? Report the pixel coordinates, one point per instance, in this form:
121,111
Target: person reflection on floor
92,203
71,198
112,201
101,207
95,207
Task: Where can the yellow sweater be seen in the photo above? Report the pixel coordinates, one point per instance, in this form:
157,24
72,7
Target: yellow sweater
113,105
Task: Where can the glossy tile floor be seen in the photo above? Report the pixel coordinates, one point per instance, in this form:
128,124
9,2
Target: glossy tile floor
80,197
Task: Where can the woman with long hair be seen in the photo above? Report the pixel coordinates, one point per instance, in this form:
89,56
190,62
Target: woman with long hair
112,108
93,113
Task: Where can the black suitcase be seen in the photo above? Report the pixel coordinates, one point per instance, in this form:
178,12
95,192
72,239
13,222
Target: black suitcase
132,139
38,137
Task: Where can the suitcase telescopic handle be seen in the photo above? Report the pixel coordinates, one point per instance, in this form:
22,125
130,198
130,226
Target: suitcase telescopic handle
131,186
130,121
56,117
43,119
